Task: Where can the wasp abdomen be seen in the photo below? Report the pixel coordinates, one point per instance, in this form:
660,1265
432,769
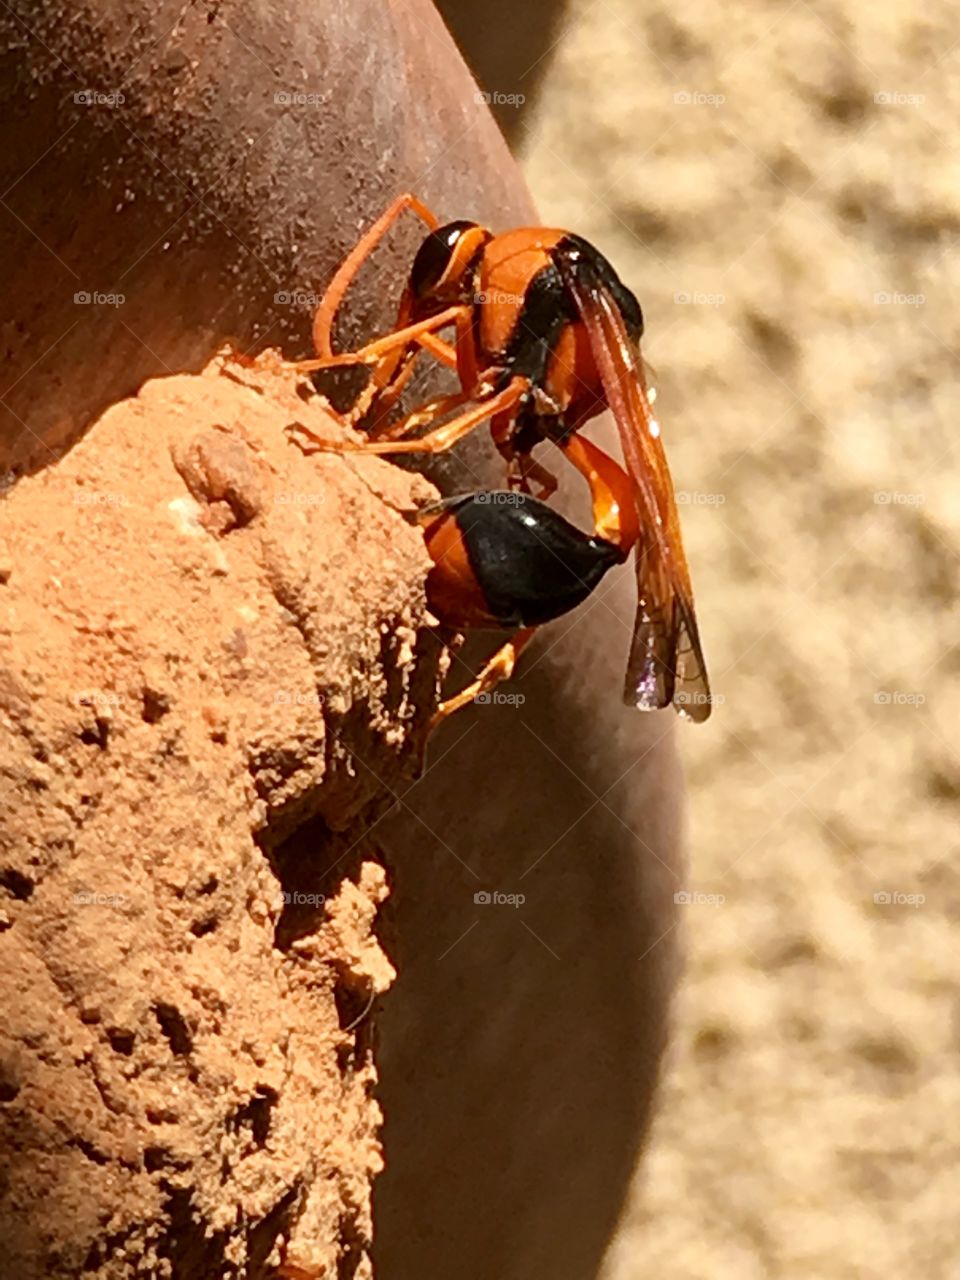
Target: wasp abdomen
506,559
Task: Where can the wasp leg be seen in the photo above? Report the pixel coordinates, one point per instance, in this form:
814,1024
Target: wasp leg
428,412
500,667
461,356
388,379
523,469
393,369
436,441
343,277
446,436
392,373
466,351
611,490
387,384
441,350
311,443
374,351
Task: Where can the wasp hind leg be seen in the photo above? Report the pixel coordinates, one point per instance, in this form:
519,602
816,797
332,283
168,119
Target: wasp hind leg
499,667
611,491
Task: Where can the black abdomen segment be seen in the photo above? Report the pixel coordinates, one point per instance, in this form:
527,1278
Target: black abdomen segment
528,564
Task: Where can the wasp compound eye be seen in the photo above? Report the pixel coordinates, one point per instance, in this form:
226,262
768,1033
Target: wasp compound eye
444,259
506,559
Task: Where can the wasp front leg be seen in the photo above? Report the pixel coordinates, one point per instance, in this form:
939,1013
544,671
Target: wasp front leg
343,278
439,440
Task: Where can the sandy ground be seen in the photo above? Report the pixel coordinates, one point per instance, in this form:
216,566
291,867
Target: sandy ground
778,182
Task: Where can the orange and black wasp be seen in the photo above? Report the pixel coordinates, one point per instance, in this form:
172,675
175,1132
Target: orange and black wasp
545,337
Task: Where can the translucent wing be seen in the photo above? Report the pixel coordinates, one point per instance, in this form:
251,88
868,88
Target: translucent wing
666,663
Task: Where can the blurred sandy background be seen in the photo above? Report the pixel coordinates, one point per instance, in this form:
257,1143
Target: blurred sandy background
780,184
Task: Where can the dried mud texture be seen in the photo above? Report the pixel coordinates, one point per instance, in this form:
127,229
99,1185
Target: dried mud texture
212,668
